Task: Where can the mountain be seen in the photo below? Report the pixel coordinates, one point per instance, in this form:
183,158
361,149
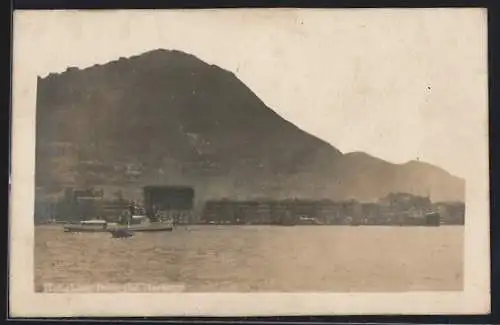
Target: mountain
166,117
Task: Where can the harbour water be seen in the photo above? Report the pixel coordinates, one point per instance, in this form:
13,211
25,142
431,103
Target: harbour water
258,258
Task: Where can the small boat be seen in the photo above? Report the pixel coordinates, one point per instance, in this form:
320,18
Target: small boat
121,233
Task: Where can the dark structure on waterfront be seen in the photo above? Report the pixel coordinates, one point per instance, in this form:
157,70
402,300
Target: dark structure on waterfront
173,202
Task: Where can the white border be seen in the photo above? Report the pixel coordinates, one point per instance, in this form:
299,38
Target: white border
24,302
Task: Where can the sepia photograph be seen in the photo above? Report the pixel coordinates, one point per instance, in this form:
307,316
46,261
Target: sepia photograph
249,162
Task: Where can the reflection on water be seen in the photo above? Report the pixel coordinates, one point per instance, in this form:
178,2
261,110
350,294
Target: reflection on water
258,258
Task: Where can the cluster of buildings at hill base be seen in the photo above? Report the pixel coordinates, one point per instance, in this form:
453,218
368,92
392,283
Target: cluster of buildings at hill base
395,209
178,202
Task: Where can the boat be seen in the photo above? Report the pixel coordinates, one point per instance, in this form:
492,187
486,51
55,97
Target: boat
121,233
153,217
87,226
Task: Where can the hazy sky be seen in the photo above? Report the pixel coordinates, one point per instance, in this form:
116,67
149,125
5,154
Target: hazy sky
397,84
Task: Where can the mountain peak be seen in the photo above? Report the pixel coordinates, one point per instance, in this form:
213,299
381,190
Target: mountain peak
156,55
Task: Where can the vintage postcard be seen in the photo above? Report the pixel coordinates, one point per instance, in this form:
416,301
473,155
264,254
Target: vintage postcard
241,162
